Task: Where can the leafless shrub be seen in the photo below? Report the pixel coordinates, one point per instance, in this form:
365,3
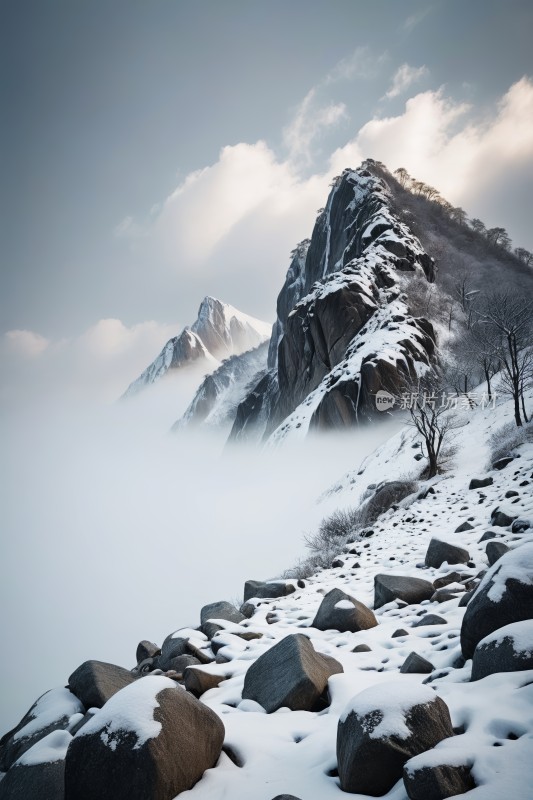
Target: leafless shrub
506,439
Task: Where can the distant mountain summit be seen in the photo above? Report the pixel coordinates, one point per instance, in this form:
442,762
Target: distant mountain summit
220,331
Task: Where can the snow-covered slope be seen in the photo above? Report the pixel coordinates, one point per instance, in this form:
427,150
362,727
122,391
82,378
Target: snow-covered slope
295,751
216,401
219,331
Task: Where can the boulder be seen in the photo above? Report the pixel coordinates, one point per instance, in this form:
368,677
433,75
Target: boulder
341,612
502,462
399,632
501,519
51,712
285,797
152,740
480,483
400,587
382,728
267,589
438,552
199,681
509,649
146,649
362,648
291,674
416,664
465,526
505,595
39,774
180,663
425,780
445,594
494,551
221,610
489,535
451,577
94,682
177,644
429,619
520,525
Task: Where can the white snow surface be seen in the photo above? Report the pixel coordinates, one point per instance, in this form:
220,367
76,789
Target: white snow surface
50,748
520,633
515,564
345,605
392,701
131,710
295,752
51,707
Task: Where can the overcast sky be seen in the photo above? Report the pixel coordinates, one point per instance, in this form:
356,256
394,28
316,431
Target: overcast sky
157,152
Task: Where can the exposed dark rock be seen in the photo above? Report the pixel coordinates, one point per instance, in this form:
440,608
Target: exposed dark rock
39,773
180,663
362,648
399,632
452,577
177,644
494,551
199,681
466,526
508,649
511,493
480,483
370,763
339,611
436,782
465,598
51,712
176,738
291,674
221,610
247,610
505,595
267,589
438,552
416,664
489,535
429,619
94,682
520,525
500,519
146,649
144,667
502,462
400,587
443,595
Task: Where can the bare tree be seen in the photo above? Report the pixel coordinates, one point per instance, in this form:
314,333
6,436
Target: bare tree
509,314
433,420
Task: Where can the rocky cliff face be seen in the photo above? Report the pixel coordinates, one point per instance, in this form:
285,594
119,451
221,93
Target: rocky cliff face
343,330
219,332
216,401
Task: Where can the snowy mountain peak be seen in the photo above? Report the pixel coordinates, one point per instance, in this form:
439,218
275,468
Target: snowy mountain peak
219,331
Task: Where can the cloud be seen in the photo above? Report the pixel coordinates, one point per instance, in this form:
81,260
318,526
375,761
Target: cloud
404,77
227,229
474,161
97,365
309,122
26,344
415,19
362,63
